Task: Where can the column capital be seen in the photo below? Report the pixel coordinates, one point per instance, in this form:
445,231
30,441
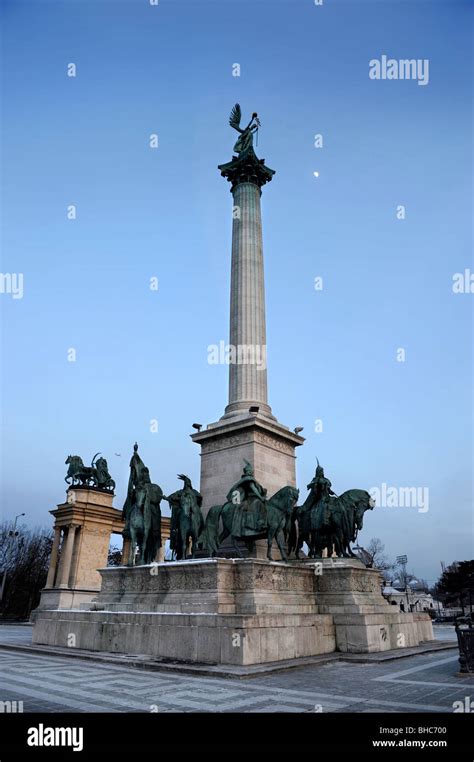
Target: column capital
246,169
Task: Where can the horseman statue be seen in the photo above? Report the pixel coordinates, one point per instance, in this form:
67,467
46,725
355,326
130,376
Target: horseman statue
248,516
250,496
328,522
142,513
187,521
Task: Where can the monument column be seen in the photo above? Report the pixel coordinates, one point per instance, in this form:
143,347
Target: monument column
248,431
67,550
248,372
54,558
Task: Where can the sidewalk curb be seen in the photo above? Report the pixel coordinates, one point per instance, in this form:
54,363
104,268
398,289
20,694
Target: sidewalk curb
226,671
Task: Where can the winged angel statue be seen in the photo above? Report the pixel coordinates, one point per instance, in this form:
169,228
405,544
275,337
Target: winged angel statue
245,140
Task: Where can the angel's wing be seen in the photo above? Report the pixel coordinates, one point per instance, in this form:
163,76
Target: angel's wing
235,116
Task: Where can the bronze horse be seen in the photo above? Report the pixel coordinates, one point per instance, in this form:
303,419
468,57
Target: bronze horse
279,509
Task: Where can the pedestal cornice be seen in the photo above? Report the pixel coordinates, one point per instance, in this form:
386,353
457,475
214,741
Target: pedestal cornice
246,169
241,428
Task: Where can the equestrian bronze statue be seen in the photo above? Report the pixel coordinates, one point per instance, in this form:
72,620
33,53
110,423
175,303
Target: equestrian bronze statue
328,522
248,516
142,514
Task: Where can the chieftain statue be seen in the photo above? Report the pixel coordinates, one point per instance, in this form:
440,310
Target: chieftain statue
326,521
95,476
142,513
248,515
187,521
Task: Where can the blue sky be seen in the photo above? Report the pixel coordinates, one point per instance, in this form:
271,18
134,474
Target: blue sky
166,213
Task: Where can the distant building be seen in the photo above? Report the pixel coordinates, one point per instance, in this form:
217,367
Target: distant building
411,600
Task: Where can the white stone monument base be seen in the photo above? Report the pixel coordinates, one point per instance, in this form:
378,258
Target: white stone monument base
58,598
235,612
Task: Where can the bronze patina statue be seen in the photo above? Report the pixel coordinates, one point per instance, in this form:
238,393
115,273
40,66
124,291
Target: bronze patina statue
104,480
246,166
245,141
326,521
142,513
248,515
251,497
187,521
96,475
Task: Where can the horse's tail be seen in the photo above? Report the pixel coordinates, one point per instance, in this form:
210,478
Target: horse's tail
210,533
93,459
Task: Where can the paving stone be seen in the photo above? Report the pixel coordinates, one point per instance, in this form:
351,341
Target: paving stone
50,683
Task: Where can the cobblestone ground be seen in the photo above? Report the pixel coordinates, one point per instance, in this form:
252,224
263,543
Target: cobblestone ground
423,683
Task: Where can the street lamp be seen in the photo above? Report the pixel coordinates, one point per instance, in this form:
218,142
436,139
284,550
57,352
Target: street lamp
13,531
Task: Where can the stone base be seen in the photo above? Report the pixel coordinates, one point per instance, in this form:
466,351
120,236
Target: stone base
204,639
365,622
239,612
64,598
385,631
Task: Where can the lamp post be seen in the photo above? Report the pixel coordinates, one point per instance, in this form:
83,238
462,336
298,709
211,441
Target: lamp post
13,532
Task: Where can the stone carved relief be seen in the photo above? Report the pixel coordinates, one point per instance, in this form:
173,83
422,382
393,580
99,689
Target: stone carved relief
258,437
224,442
274,443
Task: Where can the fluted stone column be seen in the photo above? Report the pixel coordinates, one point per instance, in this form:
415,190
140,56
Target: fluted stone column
68,548
248,341
248,371
54,558
242,434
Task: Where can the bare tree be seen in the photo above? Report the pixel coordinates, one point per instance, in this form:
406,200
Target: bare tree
24,562
375,555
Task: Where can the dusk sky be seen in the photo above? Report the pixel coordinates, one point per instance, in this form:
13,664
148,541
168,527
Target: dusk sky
397,418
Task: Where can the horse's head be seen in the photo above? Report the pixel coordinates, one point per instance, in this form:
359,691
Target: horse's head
360,509
68,460
286,498
294,495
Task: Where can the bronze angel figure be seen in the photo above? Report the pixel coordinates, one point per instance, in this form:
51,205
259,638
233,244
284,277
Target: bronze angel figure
245,140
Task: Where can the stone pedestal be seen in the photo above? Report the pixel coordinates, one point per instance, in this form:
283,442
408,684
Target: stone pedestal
233,611
365,622
82,530
266,444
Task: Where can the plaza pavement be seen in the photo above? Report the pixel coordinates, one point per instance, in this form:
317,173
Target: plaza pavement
45,682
